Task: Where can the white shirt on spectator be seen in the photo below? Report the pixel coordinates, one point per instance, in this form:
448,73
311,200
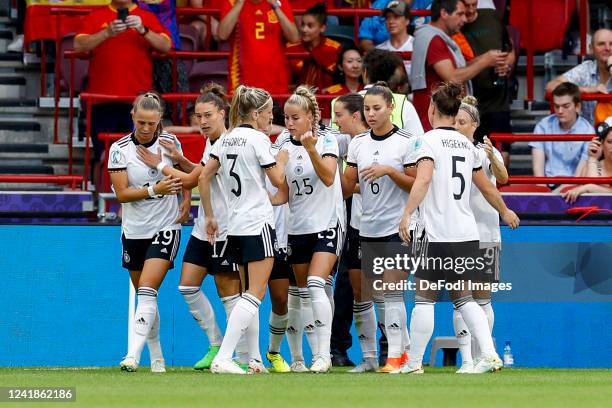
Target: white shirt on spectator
405,47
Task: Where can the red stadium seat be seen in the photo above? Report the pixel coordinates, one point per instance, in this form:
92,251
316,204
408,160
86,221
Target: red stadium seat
524,188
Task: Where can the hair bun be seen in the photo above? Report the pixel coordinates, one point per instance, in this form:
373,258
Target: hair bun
214,89
381,83
470,100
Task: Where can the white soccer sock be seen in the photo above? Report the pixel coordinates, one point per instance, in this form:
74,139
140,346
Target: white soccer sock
421,329
395,322
487,307
464,338
329,291
144,318
237,324
252,335
365,326
153,342
322,311
295,327
308,320
278,326
379,302
203,313
477,324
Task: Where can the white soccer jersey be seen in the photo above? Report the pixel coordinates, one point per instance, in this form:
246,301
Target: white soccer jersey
313,207
446,206
383,201
219,201
281,212
487,218
244,153
143,219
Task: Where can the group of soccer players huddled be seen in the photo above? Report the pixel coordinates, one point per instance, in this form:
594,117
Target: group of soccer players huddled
273,216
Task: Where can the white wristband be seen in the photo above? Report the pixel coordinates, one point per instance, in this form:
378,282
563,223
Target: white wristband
151,192
160,166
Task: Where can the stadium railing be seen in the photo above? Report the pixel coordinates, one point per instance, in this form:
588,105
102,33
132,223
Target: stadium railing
74,181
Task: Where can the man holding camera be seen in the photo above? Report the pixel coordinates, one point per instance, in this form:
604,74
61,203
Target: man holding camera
121,39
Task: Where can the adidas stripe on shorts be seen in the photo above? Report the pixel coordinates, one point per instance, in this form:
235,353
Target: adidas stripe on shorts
163,245
243,249
301,248
213,257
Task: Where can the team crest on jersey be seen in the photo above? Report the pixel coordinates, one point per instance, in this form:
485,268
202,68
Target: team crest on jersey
126,257
153,172
418,143
276,245
272,19
117,158
298,170
289,251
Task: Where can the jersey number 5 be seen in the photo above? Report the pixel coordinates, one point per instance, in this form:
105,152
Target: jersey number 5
458,175
259,30
238,190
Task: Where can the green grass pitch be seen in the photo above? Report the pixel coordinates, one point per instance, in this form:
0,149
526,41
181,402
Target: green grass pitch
183,387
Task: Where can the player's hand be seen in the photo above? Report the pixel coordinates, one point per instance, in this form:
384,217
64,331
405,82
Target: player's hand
173,151
135,22
373,172
572,195
282,157
168,186
488,147
511,218
147,157
309,140
404,228
116,27
184,211
594,150
212,229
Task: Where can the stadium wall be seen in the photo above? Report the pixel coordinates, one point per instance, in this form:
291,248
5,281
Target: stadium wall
63,302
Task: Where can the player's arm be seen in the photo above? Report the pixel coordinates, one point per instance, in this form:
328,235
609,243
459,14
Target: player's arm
281,196
419,189
126,194
290,31
184,207
494,198
276,172
325,166
228,23
154,161
497,166
177,156
208,172
349,180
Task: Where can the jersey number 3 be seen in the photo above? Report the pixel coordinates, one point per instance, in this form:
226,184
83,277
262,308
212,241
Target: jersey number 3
238,190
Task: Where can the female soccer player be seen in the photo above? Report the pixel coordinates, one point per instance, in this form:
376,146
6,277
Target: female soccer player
201,257
349,117
150,225
376,159
487,220
243,159
450,225
316,210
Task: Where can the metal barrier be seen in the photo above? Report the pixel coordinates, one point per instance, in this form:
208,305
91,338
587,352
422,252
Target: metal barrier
66,179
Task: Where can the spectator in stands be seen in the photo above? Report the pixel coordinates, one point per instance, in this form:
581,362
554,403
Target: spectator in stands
165,10
121,63
373,31
591,76
319,68
258,53
437,58
348,76
397,19
206,25
484,31
599,163
552,159
17,44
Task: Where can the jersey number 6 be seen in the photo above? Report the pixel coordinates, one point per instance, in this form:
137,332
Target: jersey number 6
233,158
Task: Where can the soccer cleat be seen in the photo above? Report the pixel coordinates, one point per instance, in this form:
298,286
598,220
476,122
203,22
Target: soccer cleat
321,365
299,366
488,364
206,361
256,367
411,368
368,365
158,366
129,364
279,365
393,364
223,366
466,368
